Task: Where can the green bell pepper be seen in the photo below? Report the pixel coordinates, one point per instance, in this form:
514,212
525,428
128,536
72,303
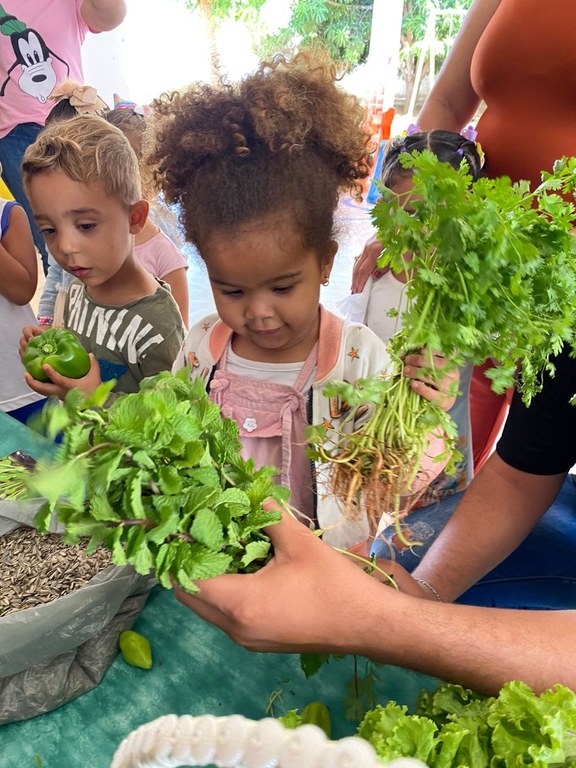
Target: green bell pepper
59,348
317,713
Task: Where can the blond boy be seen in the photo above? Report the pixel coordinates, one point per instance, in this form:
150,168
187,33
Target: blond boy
81,177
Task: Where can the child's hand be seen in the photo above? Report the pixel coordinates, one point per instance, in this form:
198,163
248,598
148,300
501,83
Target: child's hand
361,549
442,392
27,333
60,385
366,265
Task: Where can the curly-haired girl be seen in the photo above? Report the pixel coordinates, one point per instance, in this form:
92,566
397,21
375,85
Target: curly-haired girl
257,169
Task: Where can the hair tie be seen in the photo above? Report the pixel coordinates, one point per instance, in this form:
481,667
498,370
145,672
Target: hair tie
469,133
140,109
84,98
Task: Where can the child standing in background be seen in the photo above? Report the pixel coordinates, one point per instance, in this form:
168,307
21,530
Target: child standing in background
82,179
19,274
155,250
257,169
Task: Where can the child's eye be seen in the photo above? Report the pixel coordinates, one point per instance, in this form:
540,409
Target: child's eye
234,294
47,231
283,288
86,227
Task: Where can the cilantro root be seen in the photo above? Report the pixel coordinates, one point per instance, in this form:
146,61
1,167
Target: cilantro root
381,466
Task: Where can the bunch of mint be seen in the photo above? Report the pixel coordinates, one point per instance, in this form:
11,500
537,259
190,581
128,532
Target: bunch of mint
157,477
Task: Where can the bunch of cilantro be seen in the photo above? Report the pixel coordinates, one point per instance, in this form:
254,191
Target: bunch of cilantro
454,727
157,477
492,271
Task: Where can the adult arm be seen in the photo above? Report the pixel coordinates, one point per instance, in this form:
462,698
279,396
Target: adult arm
52,283
103,15
452,101
18,261
310,598
179,287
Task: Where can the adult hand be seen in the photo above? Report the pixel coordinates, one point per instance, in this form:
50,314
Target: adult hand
306,598
59,385
440,391
365,265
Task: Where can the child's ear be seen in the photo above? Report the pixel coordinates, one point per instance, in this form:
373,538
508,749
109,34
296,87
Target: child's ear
328,259
138,216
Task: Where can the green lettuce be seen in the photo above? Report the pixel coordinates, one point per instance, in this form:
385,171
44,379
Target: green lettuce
456,728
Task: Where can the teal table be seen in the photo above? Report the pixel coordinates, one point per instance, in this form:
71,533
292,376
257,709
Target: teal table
15,436
197,670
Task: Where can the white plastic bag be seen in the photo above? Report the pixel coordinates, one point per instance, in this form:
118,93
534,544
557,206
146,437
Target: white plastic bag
52,653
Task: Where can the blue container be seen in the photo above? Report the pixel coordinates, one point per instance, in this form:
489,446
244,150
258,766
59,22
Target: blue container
374,192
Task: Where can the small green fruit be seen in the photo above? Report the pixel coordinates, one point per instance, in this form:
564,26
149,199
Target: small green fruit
135,649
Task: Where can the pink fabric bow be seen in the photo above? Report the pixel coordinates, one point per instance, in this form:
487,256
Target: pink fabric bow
84,98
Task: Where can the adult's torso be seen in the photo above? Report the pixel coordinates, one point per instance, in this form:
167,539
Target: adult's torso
40,44
524,68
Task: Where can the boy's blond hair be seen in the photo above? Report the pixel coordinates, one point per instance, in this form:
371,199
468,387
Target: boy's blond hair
90,150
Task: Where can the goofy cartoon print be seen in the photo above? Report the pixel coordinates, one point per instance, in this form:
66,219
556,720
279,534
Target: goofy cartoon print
37,77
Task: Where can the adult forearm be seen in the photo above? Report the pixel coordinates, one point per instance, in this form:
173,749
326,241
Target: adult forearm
103,15
481,648
452,101
499,509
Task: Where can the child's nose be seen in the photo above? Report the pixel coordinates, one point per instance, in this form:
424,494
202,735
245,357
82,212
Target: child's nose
258,309
66,244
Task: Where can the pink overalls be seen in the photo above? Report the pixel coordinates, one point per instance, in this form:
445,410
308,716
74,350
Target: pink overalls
272,418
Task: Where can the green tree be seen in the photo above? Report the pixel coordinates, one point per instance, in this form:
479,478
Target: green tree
212,11
423,43
342,26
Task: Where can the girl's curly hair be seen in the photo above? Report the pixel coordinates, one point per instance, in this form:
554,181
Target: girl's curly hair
285,140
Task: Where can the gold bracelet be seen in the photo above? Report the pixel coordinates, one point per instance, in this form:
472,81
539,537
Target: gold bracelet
430,587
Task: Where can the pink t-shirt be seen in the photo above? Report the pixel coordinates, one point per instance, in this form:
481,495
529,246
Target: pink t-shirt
40,46
160,256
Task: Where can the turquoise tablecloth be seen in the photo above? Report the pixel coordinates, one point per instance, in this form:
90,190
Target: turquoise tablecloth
15,436
197,670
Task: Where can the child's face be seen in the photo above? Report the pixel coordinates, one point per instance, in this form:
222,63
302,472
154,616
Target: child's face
403,185
266,287
89,233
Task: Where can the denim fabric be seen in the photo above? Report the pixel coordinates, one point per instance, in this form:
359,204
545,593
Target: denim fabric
539,574
12,148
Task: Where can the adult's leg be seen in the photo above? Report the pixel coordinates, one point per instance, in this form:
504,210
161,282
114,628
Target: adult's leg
539,574
12,148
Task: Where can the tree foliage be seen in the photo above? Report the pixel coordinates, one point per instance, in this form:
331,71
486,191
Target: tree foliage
342,26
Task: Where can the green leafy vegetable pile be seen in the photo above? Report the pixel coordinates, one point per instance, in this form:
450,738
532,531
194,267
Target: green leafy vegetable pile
454,727
157,478
490,273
